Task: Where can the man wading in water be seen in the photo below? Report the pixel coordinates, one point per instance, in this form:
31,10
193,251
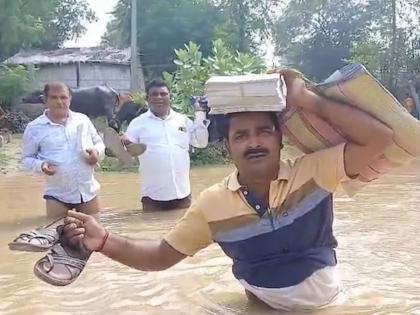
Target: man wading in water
274,219
65,147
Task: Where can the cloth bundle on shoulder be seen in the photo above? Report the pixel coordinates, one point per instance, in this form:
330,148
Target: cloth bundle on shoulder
243,93
354,85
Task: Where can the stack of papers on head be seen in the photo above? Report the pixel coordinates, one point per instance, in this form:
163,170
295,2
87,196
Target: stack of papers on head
246,93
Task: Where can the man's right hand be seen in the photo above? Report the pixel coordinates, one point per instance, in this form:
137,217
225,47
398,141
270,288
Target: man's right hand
80,227
48,168
298,94
125,140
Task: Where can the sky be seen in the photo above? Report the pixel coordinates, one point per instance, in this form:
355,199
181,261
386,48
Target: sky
102,9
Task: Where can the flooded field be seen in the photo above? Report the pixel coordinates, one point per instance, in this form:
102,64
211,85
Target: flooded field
378,253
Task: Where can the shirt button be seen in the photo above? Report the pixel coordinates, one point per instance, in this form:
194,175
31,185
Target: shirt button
245,193
258,207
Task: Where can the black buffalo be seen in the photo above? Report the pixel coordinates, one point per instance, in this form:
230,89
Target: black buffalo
92,101
125,113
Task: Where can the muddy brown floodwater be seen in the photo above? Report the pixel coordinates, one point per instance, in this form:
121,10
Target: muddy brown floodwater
377,231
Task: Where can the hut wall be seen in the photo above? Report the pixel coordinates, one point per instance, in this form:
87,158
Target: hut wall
114,75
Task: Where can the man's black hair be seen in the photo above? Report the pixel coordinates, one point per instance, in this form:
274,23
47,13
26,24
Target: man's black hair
155,83
53,85
223,123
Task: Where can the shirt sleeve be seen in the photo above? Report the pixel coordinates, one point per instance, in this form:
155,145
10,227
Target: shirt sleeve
326,167
30,148
199,134
191,233
132,133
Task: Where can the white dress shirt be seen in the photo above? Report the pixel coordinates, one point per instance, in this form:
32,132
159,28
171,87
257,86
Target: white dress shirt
63,146
165,165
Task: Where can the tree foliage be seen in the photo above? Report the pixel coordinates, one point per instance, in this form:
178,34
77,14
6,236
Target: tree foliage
316,35
13,82
319,36
396,34
246,22
40,24
193,70
167,25
163,26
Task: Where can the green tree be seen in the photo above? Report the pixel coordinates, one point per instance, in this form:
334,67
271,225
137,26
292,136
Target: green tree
162,27
40,24
193,70
246,22
396,33
166,25
371,53
13,82
316,36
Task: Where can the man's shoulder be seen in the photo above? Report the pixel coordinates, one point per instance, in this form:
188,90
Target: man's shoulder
213,193
140,119
40,120
179,115
80,116
37,128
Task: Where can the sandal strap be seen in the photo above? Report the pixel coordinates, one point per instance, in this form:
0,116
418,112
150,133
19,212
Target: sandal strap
50,235
49,232
70,261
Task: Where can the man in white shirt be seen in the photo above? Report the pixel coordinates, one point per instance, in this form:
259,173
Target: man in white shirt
165,166
65,147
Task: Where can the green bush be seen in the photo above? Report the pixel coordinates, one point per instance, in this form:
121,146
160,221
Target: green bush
13,82
193,70
215,153
139,98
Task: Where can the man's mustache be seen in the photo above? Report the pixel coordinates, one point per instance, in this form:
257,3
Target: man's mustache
255,151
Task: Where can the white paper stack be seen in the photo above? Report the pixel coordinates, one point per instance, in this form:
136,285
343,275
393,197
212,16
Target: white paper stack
245,93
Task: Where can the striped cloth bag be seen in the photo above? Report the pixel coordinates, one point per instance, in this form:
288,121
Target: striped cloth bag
354,85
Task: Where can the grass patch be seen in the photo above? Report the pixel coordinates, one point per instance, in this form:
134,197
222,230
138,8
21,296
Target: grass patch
111,164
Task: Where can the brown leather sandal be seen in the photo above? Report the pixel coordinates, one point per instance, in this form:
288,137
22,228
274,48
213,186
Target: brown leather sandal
35,241
38,240
62,265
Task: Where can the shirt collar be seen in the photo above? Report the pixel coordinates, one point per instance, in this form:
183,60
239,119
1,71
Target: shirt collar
43,119
233,183
150,114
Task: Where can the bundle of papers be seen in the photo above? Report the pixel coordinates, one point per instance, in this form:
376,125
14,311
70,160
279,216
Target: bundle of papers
245,93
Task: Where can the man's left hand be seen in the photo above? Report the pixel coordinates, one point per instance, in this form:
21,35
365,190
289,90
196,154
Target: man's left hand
91,156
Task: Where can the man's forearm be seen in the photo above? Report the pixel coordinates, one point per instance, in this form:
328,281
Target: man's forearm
32,164
358,126
146,255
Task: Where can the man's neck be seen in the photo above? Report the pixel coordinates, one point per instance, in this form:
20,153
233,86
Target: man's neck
163,114
258,185
58,120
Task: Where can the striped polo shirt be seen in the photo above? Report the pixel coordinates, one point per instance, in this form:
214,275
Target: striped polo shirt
281,251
